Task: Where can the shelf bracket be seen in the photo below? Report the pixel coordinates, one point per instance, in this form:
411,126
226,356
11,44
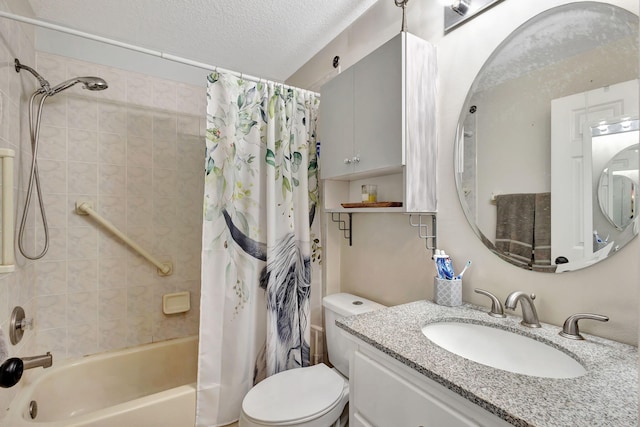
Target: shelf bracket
343,225
430,237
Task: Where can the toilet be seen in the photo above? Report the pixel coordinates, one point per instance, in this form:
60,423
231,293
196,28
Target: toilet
313,396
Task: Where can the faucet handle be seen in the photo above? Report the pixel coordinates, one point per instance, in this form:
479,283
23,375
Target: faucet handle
570,328
496,305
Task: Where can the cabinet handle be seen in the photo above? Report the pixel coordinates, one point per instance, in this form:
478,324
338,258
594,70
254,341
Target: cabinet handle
347,161
356,159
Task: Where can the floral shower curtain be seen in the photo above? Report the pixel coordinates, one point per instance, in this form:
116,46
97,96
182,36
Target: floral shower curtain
261,191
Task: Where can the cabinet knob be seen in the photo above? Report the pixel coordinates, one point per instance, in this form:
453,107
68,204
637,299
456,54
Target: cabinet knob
347,161
356,159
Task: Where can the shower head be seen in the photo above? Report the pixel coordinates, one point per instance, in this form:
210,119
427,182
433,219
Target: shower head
90,83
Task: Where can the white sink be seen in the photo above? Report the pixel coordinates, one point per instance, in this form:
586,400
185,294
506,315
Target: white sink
503,350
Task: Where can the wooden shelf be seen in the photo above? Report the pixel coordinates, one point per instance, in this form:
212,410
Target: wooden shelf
365,210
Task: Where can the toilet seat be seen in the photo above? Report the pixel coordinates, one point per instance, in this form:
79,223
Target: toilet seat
295,396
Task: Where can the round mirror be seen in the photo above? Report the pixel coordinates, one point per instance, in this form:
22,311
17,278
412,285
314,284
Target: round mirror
528,157
618,184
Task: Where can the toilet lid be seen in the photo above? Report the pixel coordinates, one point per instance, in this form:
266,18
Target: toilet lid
294,394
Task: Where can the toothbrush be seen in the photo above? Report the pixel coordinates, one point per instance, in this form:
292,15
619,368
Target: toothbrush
467,265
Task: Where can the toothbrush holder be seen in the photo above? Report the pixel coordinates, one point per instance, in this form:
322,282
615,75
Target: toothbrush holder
447,292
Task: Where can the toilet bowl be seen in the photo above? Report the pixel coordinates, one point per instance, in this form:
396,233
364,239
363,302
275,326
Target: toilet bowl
313,396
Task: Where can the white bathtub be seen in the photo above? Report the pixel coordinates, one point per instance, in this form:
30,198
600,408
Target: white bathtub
148,386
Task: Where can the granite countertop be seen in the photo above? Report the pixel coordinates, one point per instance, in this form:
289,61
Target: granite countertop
607,395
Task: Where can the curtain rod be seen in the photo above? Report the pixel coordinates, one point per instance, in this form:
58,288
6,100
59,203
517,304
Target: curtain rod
135,48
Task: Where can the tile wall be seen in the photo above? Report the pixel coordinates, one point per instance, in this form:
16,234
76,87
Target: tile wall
16,288
136,152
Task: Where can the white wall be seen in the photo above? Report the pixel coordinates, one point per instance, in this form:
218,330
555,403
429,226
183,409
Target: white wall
388,263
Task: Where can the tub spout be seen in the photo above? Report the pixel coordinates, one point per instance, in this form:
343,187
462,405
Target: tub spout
11,370
45,360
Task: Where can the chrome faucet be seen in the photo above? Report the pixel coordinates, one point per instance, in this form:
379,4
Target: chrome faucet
529,313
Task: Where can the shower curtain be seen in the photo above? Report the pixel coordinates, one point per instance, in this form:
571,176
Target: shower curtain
261,191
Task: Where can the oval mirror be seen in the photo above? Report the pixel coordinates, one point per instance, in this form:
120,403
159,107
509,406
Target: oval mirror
527,163
618,184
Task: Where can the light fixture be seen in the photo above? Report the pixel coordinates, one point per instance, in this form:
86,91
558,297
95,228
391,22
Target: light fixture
457,12
461,7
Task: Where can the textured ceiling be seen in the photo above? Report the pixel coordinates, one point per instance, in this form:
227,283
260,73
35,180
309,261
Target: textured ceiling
264,38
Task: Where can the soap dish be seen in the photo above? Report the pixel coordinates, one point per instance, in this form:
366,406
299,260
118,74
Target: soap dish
178,302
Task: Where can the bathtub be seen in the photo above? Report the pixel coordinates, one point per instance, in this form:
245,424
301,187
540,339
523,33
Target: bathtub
148,386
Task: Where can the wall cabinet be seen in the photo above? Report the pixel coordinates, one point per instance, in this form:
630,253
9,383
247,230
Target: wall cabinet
378,119
386,393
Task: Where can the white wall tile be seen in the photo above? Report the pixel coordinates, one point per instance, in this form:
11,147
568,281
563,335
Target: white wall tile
82,339
82,178
112,117
53,340
82,113
55,209
112,334
52,311
139,122
139,152
83,309
84,243
139,180
112,179
112,304
112,148
112,273
82,146
52,143
140,89
57,244
164,94
51,278
82,275
53,176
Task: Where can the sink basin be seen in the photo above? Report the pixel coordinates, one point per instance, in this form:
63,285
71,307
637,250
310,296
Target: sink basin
503,350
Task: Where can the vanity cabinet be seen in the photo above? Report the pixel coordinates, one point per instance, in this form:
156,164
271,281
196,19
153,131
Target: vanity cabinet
386,393
378,119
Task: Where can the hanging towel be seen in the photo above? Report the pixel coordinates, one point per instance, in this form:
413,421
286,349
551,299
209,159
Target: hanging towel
514,227
542,233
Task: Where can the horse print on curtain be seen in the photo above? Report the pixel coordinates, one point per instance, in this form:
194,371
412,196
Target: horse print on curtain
261,192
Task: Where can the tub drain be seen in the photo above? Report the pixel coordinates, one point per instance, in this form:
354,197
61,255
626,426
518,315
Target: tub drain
33,409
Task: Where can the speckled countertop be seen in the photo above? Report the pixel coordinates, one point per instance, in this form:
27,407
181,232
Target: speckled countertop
607,395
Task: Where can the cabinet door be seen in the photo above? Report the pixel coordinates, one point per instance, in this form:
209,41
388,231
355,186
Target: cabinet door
378,108
336,126
357,421
384,399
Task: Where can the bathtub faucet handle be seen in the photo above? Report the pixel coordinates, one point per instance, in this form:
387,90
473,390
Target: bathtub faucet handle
25,324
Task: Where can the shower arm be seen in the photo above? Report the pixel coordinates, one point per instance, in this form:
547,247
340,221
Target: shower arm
45,86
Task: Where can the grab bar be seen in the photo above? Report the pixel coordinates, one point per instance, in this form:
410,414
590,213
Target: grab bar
8,259
85,208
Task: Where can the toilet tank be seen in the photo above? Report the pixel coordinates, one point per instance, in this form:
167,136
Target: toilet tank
337,306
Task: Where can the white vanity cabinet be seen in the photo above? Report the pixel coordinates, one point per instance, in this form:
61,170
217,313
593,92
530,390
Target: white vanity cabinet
378,119
386,393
